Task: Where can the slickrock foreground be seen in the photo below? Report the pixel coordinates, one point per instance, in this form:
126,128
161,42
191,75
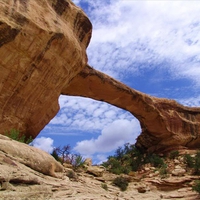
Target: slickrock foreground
43,54
39,176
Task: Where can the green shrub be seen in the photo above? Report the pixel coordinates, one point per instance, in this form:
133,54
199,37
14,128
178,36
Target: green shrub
197,163
15,135
130,158
189,160
196,186
156,160
121,182
163,171
77,161
104,186
113,165
174,154
55,155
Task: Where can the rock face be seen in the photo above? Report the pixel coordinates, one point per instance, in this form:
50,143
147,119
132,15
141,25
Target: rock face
42,47
166,125
42,55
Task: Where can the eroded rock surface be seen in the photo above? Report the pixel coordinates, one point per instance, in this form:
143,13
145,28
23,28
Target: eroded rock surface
21,180
42,47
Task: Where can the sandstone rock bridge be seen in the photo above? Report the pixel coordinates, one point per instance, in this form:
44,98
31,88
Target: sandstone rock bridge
43,54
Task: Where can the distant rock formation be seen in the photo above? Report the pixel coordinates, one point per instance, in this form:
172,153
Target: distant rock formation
43,54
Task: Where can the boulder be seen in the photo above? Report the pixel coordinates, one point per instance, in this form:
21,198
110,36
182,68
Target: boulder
178,171
88,162
96,170
14,153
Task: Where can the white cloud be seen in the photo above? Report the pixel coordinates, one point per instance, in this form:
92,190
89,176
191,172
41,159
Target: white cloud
102,158
43,143
112,136
86,114
128,33
192,102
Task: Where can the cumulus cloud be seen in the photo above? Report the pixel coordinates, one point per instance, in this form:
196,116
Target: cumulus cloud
86,114
112,136
44,143
192,102
144,34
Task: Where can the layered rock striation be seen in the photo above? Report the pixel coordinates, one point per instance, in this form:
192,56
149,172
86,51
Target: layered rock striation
43,54
166,125
42,47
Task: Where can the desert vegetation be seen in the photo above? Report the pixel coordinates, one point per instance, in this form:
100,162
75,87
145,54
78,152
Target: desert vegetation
126,161
64,155
16,135
129,158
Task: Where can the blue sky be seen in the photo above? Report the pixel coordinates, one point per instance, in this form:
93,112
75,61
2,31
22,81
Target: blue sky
151,46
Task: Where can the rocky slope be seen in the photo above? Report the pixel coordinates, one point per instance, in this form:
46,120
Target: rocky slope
166,125
30,173
43,54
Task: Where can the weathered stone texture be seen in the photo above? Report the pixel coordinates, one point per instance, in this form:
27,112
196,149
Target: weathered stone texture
30,173
42,47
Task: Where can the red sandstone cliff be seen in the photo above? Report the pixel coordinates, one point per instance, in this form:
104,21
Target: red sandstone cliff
42,47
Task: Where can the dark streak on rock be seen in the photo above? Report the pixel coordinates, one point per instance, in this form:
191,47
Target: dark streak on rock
24,4
83,25
22,180
60,6
7,34
29,72
37,60
54,37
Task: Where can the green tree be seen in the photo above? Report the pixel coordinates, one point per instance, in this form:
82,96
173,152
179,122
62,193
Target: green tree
55,155
77,161
63,153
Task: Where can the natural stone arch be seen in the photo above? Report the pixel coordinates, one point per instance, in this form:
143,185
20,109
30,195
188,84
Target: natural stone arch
165,124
